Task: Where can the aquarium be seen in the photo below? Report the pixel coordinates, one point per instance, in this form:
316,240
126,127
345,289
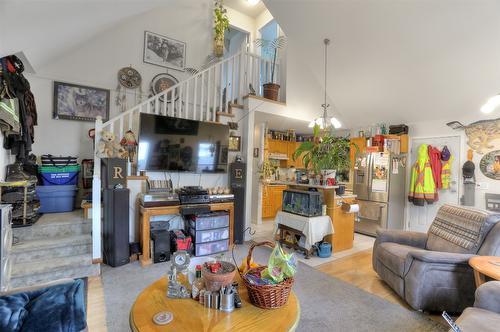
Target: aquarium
303,203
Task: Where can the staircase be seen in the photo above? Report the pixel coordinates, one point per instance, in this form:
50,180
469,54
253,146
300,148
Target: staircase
57,246
208,95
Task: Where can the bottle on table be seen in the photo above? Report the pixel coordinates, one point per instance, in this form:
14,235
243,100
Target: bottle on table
198,284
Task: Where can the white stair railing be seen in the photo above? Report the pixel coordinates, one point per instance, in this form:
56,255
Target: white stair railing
203,96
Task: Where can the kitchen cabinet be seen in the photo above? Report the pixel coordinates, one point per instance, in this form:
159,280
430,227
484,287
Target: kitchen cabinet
272,199
277,146
299,164
343,225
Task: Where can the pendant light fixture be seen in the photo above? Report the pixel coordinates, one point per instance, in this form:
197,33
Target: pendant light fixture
325,121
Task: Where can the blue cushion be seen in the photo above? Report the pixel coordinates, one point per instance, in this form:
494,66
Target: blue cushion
59,308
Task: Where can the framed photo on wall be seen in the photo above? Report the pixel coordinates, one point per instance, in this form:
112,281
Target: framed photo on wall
163,51
79,102
234,143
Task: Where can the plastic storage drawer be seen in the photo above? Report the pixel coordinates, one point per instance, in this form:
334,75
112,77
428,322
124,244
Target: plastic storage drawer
210,248
209,221
210,235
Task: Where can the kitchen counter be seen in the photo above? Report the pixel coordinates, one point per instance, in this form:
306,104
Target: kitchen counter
288,183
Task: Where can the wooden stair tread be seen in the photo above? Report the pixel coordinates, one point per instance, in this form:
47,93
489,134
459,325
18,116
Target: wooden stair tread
230,115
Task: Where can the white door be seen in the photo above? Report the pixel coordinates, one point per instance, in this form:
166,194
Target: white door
419,218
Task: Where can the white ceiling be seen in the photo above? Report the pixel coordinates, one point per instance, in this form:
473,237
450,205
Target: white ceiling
392,60
278,122
244,7
46,29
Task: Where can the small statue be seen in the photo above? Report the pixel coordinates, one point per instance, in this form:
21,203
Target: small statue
251,90
130,144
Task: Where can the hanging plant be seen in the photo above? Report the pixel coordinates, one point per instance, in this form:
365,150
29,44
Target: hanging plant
221,25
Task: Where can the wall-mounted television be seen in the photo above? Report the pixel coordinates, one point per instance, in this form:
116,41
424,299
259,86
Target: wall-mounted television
169,144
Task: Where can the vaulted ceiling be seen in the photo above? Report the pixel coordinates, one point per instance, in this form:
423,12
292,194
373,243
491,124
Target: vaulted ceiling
392,60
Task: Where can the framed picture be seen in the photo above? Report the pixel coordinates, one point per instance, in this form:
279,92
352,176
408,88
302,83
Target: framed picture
78,102
163,51
234,143
490,165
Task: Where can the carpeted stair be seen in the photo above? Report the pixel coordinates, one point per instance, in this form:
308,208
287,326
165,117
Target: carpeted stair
57,246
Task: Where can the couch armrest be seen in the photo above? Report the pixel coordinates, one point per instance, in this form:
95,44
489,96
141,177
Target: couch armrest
488,296
440,257
36,287
413,239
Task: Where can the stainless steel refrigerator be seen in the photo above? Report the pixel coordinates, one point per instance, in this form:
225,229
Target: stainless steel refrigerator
379,183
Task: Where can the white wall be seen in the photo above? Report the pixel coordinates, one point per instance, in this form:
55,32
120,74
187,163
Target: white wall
96,63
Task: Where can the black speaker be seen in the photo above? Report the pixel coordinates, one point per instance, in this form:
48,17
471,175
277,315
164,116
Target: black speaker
161,246
116,227
237,182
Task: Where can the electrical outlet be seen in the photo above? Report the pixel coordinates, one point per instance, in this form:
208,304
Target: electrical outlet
483,185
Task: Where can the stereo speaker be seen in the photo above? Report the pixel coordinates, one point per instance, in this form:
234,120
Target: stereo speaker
237,182
161,246
116,227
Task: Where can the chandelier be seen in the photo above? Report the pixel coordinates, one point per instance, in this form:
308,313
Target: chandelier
325,121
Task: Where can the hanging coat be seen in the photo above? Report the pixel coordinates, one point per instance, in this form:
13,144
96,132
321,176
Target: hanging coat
435,160
422,186
446,173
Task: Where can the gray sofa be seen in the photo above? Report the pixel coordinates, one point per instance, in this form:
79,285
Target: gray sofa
430,270
485,315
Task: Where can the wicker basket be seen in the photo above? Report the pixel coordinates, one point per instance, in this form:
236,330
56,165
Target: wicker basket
267,296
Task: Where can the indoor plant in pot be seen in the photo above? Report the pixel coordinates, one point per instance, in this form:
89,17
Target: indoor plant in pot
326,154
271,89
221,24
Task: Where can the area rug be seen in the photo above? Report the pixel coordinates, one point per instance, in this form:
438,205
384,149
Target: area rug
327,303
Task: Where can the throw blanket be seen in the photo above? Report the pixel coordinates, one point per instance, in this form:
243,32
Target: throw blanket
58,308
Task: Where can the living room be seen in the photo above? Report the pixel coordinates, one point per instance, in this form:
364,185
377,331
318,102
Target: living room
281,165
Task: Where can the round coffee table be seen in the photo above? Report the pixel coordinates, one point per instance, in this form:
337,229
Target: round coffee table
485,266
189,315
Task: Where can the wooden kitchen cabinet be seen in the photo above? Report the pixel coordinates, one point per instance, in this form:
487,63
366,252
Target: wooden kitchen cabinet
343,225
277,146
299,164
272,199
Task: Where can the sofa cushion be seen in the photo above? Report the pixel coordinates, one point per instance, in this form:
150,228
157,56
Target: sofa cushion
459,229
393,256
475,319
13,311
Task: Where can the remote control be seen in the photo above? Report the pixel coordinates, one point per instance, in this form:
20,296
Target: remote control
451,322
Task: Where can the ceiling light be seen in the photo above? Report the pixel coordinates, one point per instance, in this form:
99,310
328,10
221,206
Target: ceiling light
325,120
491,104
253,2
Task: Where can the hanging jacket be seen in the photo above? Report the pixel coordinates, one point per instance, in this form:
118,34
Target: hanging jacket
435,160
422,186
446,173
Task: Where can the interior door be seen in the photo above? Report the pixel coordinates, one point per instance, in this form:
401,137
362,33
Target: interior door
419,218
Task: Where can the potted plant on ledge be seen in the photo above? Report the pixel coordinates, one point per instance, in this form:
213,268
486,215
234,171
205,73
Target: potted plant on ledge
271,89
221,24
326,154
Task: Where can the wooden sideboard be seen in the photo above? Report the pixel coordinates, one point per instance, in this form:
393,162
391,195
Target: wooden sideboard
145,215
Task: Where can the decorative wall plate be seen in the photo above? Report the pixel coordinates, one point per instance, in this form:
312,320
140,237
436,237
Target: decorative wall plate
163,82
129,78
490,165
482,133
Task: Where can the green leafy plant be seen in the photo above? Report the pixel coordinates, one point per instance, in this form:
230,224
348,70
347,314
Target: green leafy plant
325,152
221,21
272,47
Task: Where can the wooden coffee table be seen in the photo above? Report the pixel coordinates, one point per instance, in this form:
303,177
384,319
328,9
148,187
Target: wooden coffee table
483,268
189,315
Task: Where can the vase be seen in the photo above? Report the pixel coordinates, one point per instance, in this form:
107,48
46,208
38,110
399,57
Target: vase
219,47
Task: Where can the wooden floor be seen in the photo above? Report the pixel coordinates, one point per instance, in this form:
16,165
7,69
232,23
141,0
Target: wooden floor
355,269
96,307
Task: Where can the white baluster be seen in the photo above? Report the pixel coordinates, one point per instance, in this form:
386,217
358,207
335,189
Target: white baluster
172,102
202,100
214,101
179,102
209,85
186,107
195,99
233,85
221,88
120,133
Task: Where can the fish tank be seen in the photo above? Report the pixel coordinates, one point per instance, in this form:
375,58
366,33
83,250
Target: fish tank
302,203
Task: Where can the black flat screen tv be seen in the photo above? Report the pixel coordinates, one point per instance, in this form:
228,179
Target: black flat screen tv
169,144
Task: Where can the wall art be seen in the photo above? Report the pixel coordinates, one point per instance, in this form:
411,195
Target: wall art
481,134
490,165
163,51
162,82
79,102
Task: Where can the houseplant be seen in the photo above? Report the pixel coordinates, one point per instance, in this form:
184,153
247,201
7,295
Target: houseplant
271,89
325,152
221,24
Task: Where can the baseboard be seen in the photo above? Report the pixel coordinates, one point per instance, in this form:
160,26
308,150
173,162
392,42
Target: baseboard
97,261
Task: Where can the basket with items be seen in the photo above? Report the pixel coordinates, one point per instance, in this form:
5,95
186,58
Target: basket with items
269,286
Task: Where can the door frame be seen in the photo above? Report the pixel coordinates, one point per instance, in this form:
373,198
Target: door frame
409,165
